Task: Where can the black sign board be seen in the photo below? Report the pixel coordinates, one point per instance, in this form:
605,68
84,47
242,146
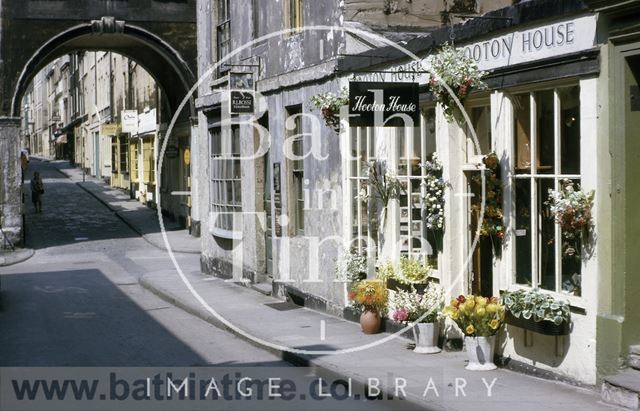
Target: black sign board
241,96
171,151
373,104
277,200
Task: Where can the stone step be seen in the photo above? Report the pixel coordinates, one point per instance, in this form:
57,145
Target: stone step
633,359
263,288
623,389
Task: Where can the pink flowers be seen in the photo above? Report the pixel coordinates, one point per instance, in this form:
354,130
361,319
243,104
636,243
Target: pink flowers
400,315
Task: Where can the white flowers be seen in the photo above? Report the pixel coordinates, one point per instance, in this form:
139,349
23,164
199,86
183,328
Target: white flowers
434,194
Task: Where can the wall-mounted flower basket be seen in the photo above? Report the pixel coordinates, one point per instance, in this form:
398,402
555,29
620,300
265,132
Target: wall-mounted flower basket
459,72
540,327
493,220
330,104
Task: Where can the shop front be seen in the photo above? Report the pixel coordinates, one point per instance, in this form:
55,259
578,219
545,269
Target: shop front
533,130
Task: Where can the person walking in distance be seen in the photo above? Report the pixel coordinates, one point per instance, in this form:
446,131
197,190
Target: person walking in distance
37,190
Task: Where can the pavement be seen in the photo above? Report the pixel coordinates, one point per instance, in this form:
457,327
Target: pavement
331,345
18,255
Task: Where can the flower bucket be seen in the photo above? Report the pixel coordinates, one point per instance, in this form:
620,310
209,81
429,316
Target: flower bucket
426,337
480,353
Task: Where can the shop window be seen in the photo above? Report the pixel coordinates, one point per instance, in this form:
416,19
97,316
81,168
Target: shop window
124,155
296,167
547,129
148,161
225,185
414,146
294,11
363,149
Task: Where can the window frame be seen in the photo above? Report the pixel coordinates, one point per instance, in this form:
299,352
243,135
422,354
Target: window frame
294,16
225,177
535,177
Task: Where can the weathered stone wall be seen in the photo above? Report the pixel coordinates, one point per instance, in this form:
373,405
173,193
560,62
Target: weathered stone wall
10,181
410,14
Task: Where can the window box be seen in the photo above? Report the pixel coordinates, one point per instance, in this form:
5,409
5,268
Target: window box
540,327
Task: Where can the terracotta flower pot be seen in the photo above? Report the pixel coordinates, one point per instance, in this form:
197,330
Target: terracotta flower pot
370,321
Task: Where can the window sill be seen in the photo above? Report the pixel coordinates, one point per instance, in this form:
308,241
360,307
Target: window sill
227,234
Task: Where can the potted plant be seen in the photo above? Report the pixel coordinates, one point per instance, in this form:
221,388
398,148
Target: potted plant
410,274
571,208
479,318
330,104
422,310
369,298
537,311
459,72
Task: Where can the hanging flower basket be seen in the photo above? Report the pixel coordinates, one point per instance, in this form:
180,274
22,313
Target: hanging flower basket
330,104
458,71
571,208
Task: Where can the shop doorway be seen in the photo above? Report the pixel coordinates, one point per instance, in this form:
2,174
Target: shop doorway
480,266
268,229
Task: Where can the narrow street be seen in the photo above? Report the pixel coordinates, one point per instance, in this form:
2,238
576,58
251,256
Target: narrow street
77,302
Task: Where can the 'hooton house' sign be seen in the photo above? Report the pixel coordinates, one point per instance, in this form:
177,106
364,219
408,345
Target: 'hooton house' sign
376,104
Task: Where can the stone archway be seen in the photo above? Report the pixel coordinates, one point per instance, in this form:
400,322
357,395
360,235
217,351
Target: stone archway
159,34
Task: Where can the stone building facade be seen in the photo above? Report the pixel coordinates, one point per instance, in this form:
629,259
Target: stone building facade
269,217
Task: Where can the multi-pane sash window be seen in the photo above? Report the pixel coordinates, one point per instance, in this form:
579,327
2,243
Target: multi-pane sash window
547,151
124,155
223,30
226,196
415,146
363,150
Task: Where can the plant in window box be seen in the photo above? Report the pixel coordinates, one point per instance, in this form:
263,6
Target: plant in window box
479,318
459,72
493,219
433,201
536,311
571,208
369,297
422,310
330,104
410,274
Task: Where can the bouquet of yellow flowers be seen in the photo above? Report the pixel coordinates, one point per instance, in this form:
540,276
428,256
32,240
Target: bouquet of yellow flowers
476,316
369,295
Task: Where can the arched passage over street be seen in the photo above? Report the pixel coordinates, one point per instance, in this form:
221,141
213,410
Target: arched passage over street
159,34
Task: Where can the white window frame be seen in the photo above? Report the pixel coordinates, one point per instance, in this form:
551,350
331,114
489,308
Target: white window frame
220,181
534,177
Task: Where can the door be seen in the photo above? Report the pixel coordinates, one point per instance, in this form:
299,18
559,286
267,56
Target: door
268,230
480,267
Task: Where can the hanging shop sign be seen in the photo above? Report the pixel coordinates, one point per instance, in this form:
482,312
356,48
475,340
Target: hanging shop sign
377,104
241,93
147,122
129,121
